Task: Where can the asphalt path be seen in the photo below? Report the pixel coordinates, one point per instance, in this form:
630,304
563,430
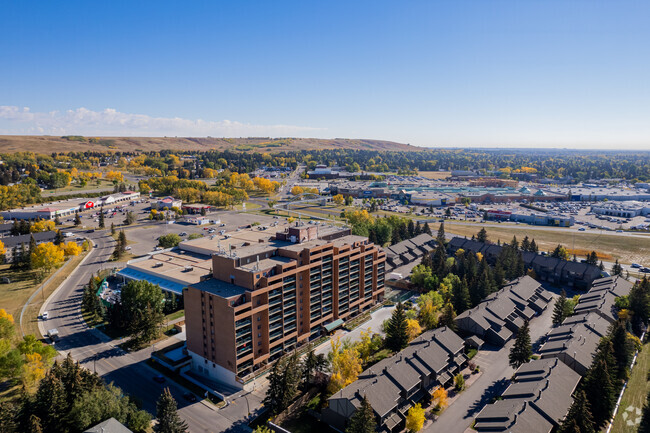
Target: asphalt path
126,370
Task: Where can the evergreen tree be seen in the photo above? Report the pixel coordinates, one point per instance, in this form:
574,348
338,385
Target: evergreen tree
15,229
447,317
418,228
59,239
460,296
411,229
77,219
522,350
25,257
122,241
600,392
592,258
482,236
639,299
403,230
601,266
533,246
284,380
101,217
395,237
32,247
514,243
579,418
35,424
311,364
112,229
441,238
525,244
617,269
560,308
396,335
8,415
50,403
623,349
168,419
427,229
363,420
605,353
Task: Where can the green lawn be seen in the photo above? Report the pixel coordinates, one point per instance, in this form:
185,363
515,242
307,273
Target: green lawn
635,394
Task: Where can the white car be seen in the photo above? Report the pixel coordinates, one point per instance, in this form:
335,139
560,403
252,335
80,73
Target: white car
127,248
45,315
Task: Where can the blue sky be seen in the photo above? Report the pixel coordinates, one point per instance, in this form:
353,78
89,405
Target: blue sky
524,73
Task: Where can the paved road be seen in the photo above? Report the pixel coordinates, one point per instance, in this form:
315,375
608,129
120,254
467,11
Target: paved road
496,374
126,370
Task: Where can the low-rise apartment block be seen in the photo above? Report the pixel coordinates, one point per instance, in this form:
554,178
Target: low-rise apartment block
395,384
498,317
269,294
536,402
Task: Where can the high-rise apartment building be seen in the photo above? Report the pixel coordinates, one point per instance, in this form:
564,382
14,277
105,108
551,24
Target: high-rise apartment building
269,295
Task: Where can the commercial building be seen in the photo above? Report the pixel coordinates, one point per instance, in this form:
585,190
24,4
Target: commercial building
532,218
167,202
625,209
537,400
269,294
66,208
498,317
395,384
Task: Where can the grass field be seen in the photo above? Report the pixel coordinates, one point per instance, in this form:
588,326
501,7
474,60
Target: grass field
635,394
435,174
91,186
629,250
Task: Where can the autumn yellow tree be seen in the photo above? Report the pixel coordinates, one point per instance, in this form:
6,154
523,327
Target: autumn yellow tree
32,371
114,176
47,256
439,398
297,190
345,365
42,226
71,249
413,328
3,250
364,346
415,418
338,200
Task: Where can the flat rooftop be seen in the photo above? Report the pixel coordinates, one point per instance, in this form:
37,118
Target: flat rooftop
220,288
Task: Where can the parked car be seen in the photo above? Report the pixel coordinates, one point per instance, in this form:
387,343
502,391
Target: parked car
159,378
636,265
182,234
45,315
189,397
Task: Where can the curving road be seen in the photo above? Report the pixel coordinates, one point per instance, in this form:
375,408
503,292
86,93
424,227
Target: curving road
127,370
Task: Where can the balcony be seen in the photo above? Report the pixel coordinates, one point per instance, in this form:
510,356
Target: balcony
275,335
275,325
243,340
241,323
242,331
244,351
290,304
275,301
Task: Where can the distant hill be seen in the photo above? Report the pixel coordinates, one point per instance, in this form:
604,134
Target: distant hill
49,144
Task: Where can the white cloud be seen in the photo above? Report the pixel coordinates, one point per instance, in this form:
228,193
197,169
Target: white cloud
111,122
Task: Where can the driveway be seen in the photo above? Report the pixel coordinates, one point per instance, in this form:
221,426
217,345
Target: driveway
495,378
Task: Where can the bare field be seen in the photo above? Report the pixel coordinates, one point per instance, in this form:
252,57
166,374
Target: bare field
48,144
627,249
